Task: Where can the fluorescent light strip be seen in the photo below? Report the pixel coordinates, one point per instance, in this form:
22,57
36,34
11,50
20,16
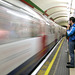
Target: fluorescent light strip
5,2
18,15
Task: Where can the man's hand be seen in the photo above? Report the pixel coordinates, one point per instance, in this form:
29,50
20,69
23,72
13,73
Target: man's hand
68,26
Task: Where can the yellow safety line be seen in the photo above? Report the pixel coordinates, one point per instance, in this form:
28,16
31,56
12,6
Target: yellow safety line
52,62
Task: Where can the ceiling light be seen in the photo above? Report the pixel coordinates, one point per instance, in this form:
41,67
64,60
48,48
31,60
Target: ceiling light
19,14
5,2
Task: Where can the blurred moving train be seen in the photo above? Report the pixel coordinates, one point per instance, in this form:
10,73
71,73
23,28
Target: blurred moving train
23,34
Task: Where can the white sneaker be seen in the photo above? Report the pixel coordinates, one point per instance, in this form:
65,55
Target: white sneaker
67,51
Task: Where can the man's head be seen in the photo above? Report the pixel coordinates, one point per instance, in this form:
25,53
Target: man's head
72,20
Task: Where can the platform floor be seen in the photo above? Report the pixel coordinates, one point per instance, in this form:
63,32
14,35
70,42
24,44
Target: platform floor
72,70
56,63
63,58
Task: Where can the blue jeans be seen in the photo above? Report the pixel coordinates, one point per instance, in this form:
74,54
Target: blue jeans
71,50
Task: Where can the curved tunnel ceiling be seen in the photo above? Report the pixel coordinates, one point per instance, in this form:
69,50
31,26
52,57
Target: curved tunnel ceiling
58,10
62,13
63,18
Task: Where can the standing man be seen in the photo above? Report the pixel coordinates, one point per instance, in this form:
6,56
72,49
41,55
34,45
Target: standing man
71,35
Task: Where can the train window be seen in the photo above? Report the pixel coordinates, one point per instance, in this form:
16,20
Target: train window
35,28
50,29
14,27
53,30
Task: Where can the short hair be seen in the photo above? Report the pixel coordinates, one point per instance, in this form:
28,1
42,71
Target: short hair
72,19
